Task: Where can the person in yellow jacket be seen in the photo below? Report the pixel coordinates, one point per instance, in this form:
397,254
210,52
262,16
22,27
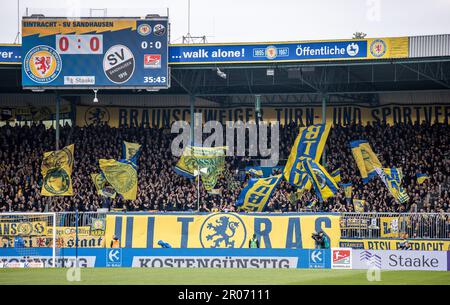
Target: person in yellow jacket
115,243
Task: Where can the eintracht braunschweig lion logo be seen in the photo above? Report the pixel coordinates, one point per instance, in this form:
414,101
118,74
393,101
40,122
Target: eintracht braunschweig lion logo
42,64
223,230
378,48
96,116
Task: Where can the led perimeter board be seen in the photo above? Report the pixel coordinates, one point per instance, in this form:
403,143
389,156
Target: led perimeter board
88,53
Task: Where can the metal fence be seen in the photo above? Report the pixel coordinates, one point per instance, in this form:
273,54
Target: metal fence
353,225
69,219
392,225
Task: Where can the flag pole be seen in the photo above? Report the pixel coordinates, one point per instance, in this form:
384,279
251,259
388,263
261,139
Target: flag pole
198,188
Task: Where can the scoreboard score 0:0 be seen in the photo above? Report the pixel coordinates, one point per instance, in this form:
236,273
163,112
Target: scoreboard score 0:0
93,53
79,44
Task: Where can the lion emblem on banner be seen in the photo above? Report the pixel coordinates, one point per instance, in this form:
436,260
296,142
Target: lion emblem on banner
223,230
96,116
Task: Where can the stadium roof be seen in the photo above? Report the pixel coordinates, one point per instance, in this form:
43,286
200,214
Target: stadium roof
357,80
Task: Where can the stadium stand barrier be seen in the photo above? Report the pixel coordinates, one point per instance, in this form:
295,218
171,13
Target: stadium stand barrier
353,225
69,219
395,225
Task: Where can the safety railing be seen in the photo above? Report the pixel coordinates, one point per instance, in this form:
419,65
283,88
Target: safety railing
353,225
69,219
394,225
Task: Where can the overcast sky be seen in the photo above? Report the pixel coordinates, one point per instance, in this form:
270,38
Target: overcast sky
263,20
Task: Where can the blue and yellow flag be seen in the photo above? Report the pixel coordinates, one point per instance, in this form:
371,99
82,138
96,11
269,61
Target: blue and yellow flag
358,205
421,177
365,158
323,183
255,195
336,174
392,178
309,143
311,204
122,175
255,172
56,169
101,187
210,158
131,151
348,188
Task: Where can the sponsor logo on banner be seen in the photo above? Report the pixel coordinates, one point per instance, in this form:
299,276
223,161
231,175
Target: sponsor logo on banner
47,261
79,80
262,262
13,265
400,260
341,258
372,259
42,64
352,49
34,265
113,257
317,258
152,61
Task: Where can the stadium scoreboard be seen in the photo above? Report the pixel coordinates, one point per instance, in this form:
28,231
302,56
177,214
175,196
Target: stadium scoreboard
95,53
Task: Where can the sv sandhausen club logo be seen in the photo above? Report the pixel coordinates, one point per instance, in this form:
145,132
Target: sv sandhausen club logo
159,29
119,64
42,64
223,230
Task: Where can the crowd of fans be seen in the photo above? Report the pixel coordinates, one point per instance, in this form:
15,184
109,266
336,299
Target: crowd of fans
413,148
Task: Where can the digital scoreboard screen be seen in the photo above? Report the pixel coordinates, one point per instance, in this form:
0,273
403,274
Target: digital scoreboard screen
95,53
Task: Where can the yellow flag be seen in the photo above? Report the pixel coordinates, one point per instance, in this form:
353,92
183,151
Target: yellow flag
122,175
365,158
358,205
209,159
392,178
323,183
348,188
421,178
56,170
309,143
100,185
130,151
336,174
256,194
